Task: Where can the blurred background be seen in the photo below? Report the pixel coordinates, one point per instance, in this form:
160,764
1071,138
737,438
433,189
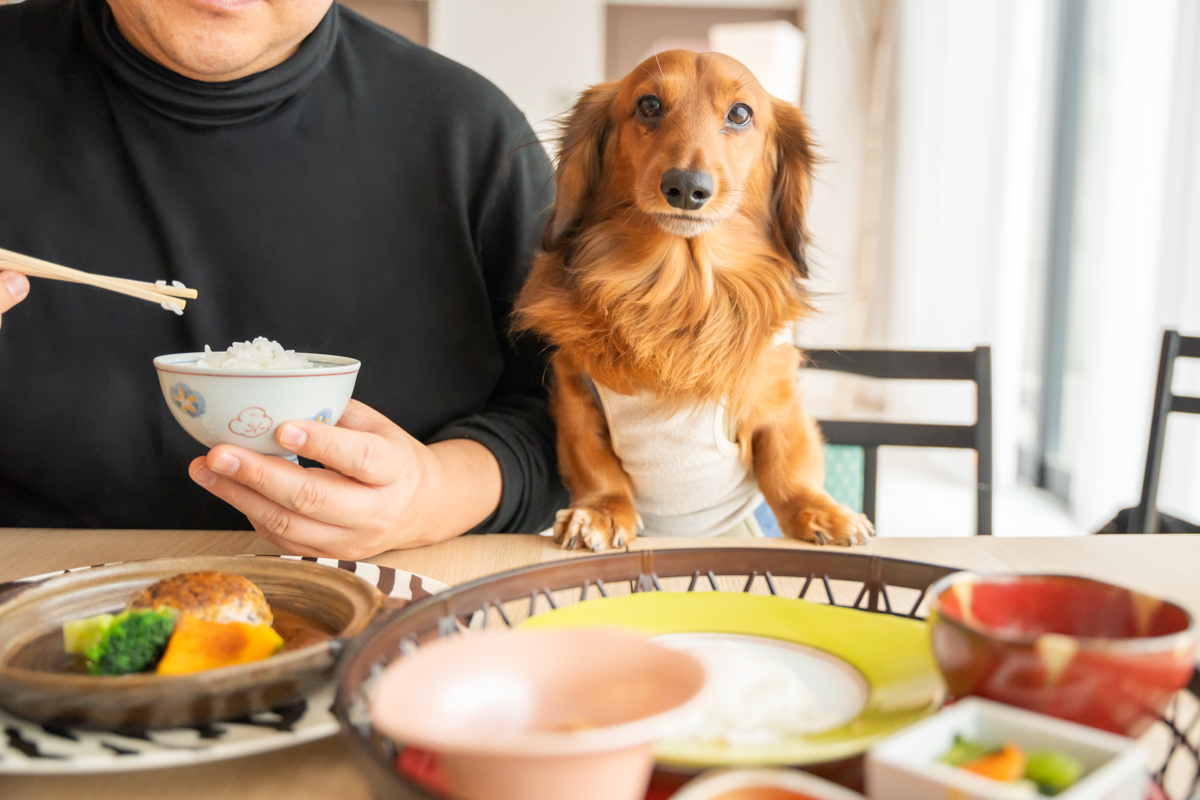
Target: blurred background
1018,173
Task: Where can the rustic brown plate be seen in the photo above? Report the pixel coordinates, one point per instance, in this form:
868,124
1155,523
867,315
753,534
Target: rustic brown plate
37,680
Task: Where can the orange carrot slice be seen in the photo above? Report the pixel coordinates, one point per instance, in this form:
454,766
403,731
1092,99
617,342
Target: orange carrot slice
1007,765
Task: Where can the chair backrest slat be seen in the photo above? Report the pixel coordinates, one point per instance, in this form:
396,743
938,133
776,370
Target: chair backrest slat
898,434
1189,346
899,364
1185,405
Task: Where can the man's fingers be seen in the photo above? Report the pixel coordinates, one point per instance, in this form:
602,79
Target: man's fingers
274,522
315,493
13,288
361,417
364,456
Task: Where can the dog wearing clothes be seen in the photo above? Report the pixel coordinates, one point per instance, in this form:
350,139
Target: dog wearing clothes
671,273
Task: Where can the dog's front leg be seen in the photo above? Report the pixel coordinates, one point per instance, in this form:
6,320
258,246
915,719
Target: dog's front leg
602,514
789,463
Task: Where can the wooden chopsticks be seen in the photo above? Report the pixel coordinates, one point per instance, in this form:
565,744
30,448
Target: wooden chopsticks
169,297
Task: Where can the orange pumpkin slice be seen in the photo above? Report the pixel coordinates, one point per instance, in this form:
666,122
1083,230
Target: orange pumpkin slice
198,644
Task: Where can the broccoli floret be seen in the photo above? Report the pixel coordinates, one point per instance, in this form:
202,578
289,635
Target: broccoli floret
134,642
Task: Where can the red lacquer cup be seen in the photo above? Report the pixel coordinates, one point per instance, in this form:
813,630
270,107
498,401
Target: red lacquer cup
1069,647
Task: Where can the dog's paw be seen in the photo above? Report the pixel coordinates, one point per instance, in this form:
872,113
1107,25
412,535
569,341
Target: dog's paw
592,527
831,523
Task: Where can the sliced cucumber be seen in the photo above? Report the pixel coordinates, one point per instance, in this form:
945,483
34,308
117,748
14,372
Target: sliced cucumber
1052,771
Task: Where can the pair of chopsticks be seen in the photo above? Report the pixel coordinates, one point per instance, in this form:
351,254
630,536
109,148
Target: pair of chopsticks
169,297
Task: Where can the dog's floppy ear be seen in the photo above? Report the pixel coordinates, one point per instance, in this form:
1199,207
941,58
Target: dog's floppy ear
794,162
580,158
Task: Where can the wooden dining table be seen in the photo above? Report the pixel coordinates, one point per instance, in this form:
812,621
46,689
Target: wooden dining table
1165,565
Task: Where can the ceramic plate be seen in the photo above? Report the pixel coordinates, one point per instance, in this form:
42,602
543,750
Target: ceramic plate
873,673
29,748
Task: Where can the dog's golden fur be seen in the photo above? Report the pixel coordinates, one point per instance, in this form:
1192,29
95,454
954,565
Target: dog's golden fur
641,296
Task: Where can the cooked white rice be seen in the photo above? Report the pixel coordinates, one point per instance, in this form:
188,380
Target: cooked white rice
752,699
172,305
262,353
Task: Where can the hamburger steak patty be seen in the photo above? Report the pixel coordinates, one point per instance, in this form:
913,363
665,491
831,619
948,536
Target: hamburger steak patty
211,596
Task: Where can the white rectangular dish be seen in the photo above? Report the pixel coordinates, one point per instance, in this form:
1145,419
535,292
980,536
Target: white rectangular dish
905,766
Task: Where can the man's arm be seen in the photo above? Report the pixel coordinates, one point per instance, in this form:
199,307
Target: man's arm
516,425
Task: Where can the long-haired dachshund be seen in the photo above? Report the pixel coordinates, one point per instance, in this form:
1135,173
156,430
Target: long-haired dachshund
669,279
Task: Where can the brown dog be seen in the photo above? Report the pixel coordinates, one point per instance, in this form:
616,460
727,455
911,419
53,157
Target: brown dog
672,262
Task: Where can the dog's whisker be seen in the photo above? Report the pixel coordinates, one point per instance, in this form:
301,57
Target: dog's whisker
631,202
749,76
628,215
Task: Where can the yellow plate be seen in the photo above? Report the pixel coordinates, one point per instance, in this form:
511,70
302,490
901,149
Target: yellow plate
892,655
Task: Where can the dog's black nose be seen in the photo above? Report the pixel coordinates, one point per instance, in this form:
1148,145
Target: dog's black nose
686,189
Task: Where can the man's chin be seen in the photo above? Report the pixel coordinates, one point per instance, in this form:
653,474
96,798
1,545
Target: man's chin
214,65
685,225
217,40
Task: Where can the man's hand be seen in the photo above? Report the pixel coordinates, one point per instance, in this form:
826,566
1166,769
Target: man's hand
381,488
13,288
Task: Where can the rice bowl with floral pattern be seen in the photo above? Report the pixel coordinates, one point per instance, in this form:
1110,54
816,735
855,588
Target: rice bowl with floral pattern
245,406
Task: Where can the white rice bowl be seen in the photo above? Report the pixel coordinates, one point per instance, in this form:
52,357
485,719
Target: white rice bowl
243,395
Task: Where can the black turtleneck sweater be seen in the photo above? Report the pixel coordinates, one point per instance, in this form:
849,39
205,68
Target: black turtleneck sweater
366,198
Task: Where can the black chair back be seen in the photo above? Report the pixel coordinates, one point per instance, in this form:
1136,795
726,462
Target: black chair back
1145,514
970,365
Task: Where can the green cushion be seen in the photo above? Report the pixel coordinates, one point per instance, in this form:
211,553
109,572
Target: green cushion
844,468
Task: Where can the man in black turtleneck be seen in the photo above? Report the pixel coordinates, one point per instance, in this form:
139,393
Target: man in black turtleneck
321,182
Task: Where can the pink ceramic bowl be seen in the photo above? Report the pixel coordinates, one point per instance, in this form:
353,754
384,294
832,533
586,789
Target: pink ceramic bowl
539,715
1069,647
762,784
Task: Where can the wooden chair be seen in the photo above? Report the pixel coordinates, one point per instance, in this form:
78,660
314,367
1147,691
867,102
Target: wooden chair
1144,518
970,365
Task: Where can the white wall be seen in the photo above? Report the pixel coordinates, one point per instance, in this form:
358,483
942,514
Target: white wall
540,52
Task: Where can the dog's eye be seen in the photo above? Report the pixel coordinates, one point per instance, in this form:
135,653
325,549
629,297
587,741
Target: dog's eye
739,116
649,106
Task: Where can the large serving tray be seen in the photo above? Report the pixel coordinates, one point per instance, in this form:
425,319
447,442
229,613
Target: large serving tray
871,583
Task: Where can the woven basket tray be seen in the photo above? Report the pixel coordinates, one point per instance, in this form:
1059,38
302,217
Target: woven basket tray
871,583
